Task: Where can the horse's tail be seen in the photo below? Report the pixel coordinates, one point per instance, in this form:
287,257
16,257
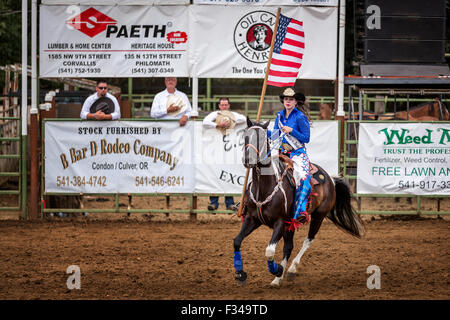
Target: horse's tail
343,215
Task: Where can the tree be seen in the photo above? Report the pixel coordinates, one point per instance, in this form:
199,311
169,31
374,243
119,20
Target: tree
10,31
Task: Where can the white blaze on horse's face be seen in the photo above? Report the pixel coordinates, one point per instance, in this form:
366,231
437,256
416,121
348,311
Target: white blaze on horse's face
255,146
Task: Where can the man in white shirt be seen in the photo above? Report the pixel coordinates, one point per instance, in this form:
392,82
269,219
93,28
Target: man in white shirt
181,110
210,122
102,91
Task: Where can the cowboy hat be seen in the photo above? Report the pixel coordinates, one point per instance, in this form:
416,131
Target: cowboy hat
227,116
104,104
288,92
178,102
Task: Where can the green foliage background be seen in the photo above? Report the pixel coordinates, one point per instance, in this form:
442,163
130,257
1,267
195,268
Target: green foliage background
10,31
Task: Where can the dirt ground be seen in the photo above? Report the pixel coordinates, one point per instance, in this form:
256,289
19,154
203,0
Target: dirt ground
159,257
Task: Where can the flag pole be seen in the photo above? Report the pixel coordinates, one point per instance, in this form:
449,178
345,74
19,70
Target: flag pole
261,100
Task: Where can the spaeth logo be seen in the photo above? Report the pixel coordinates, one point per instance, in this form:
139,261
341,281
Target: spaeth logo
93,22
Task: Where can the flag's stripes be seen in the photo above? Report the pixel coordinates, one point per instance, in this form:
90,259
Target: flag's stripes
278,56
287,55
291,53
282,74
295,32
285,63
281,82
294,43
283,69
292,48
295,38
296,22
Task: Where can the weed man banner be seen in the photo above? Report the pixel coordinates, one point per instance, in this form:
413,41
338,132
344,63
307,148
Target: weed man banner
410,158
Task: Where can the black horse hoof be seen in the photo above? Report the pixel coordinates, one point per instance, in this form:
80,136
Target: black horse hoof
240,277
280,270
290,276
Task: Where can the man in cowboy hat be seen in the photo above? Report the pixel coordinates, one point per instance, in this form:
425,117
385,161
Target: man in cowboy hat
171,103
101,105
223,120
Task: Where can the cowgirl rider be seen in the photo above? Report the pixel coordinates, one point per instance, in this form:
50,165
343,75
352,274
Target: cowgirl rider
295,124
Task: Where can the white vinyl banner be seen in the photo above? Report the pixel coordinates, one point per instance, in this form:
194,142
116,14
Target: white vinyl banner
113,41
270,2
222,42
158,157
409,158
116,2
218,157
119,157
218,160
323,148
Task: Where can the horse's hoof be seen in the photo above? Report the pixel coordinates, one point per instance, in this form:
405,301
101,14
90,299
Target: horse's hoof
275,283
280,270
241,277
290,276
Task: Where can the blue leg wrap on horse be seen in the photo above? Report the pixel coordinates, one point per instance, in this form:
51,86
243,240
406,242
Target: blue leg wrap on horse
272,266
237,261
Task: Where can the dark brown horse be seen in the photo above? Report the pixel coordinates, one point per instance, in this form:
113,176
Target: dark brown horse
270,198
429,111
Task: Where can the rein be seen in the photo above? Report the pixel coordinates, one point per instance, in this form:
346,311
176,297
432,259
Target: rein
254,148
276,144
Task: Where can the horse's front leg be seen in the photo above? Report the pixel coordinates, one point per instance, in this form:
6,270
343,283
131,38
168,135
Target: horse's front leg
288,237
248,226
316,222
278,230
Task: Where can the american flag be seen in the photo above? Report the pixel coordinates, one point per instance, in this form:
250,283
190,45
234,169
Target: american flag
287,53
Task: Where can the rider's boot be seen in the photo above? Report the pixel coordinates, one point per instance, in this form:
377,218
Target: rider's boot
301,200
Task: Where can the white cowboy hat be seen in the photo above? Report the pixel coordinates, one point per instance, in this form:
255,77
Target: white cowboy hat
176,101
227,116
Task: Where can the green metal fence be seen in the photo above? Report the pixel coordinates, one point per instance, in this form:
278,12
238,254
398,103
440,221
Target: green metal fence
248,104
348,165
12,160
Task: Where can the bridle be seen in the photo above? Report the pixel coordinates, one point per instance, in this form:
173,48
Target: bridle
252,146
277,187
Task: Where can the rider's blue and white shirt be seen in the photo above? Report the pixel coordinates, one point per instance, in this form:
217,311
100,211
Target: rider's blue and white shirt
298,122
